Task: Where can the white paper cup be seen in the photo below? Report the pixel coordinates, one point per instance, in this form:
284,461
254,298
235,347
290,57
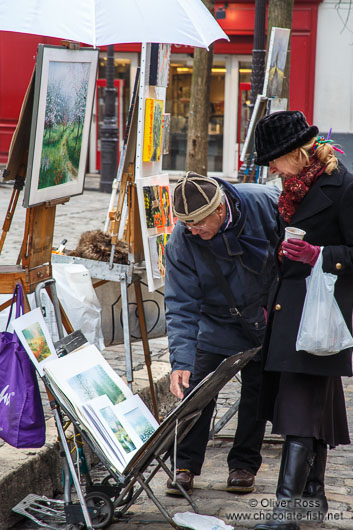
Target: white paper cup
293,233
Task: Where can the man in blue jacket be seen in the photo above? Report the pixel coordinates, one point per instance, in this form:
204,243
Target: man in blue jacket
238,226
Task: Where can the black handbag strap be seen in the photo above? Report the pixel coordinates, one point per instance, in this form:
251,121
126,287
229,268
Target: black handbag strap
225,288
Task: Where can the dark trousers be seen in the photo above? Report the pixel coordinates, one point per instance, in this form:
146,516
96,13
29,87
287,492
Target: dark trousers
245,453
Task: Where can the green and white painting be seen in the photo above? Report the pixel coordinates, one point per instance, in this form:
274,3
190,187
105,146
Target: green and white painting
95,382
63,90
63,125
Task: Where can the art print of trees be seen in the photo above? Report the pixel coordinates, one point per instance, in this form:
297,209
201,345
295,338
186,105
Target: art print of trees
95,382
140,424
63,123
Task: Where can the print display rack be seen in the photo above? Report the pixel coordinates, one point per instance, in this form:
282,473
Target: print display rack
119,490
141,212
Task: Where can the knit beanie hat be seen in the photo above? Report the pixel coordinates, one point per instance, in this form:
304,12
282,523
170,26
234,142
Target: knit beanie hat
196,197
280,133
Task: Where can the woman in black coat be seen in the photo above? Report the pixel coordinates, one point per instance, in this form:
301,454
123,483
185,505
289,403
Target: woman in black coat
303,394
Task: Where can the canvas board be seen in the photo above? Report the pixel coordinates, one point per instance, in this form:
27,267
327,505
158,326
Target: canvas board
152,141
62,109
276,62
157,223
258,113
159,58
166,133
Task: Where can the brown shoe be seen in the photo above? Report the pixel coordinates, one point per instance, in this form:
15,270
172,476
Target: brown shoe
241,481
185,478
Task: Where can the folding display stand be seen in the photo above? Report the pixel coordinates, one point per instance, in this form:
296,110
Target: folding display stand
115,494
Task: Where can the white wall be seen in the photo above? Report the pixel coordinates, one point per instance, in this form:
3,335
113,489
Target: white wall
333,101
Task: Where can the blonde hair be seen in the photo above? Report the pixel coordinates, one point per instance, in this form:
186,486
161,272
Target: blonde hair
324,152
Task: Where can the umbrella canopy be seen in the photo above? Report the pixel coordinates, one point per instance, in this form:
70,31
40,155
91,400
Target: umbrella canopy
102,22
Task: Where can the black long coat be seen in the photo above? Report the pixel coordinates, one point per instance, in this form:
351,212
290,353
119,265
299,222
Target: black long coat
326,214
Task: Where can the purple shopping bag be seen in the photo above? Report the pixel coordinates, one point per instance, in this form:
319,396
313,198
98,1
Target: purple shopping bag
22,421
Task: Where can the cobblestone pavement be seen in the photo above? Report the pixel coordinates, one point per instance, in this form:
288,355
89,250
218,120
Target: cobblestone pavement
80,213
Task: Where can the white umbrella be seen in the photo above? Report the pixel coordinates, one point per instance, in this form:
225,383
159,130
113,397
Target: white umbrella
102,22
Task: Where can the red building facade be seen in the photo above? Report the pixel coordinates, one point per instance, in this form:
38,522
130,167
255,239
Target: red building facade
18,52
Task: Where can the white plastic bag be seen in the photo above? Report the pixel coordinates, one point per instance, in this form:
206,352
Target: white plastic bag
79,300
196,521
322,329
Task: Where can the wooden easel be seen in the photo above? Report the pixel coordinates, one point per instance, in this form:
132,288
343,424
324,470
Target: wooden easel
34,261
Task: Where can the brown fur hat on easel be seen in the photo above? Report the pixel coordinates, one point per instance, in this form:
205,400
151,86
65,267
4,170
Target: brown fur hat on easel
96,245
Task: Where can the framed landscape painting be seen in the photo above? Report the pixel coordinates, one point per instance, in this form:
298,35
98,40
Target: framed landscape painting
64,89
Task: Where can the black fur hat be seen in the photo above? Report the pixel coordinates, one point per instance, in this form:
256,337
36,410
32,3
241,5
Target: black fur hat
280,133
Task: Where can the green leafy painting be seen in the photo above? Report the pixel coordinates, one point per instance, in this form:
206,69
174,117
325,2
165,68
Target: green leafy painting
63,126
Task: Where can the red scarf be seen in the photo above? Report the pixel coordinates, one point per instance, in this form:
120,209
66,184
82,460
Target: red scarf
295,188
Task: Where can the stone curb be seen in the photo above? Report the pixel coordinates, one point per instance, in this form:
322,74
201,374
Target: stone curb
39,471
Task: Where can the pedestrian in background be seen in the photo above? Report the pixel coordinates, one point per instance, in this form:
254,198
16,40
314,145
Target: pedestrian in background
303,394
231,231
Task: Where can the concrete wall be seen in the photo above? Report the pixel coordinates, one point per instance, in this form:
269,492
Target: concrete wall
333,101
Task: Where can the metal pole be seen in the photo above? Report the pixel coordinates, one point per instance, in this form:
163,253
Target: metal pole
109,129
72,470
126,329
259,52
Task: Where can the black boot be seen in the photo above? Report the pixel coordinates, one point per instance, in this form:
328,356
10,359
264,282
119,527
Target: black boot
314,491
295,468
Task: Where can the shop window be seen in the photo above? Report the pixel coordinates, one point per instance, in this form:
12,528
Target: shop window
178,104
122,98
244,103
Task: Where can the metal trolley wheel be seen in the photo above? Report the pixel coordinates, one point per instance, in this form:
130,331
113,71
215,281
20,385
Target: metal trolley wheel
100,508
110,481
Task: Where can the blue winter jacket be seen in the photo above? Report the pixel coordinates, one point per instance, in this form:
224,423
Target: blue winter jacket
197,313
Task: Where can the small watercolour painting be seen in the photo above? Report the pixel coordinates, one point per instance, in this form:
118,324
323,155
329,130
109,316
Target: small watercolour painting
166,133
118,430
153,207
164,51
157,246
152,143
113,427
34,335
164,194
94,382
137,417
157,207
36,341
140,423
